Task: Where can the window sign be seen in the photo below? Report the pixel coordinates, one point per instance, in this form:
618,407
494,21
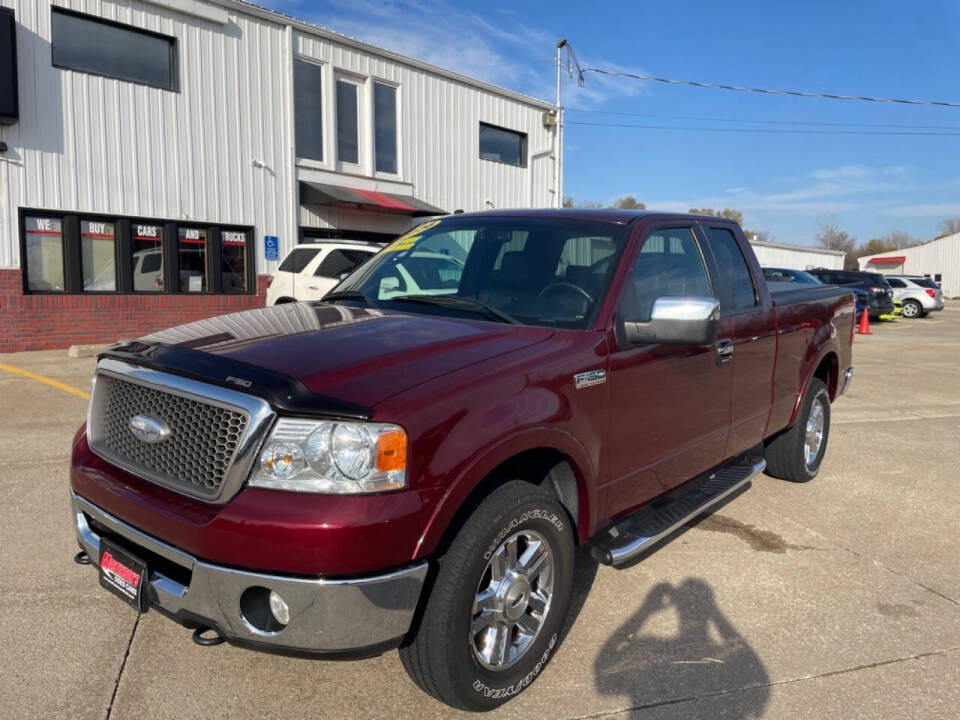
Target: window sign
97,244
44,254
233,260
146,244
193,259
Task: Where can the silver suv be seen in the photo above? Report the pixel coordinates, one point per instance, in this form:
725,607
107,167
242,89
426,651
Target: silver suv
919,295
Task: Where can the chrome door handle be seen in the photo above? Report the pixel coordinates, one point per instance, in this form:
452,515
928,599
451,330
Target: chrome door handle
312,287
724,350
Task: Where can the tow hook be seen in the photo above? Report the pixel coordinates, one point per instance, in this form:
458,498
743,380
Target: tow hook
200,637
81,558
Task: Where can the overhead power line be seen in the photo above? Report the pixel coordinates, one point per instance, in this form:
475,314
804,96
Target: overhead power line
767,91
776,131
764,121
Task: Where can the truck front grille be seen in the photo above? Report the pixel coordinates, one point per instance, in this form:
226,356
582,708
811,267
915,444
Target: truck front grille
196,455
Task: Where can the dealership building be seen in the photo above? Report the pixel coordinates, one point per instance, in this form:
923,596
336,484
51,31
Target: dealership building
158,156
938,259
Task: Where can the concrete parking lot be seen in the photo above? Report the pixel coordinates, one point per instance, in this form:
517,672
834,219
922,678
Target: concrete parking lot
839,598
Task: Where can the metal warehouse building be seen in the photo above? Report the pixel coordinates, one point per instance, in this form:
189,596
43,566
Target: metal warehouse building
938,259
797,257
155,155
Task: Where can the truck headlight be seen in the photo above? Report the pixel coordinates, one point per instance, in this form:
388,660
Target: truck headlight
332,457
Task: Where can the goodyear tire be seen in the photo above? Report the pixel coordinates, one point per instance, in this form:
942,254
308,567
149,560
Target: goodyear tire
494,616
797,453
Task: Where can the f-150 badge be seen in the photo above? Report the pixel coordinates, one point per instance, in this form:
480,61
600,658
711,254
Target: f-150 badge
589,378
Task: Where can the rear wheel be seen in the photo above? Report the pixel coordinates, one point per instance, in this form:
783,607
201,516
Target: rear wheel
912,309
495,612
796,454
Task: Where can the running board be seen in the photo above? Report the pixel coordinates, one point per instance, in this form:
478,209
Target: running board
652,523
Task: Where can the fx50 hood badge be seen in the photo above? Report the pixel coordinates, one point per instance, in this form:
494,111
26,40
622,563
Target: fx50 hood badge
589,378
149,429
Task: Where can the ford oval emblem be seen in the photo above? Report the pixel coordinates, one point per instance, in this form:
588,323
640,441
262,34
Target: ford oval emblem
149,429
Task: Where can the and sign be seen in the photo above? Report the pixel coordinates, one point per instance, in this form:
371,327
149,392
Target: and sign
271,247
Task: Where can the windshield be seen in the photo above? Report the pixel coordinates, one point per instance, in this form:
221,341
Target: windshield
533,271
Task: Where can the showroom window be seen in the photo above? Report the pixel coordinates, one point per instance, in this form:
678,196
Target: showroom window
66,252
98,242
192,251
348,129
146,257
102,47
233,261
43,254
385,127
504,146
308,115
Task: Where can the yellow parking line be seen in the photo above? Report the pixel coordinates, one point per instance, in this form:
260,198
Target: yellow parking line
45,380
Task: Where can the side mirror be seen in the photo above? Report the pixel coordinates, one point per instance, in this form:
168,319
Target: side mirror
674,320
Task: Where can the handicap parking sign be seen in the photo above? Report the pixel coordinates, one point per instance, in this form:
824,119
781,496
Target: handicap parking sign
271,247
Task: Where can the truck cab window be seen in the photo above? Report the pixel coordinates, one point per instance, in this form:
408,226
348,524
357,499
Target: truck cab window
742,293
669,264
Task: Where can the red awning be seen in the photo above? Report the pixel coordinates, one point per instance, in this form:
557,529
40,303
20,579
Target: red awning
891,260
338,195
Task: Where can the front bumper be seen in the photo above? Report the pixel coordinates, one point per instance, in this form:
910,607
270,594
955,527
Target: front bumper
353,616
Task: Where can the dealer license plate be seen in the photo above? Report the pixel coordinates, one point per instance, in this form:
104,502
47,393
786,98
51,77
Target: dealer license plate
122,574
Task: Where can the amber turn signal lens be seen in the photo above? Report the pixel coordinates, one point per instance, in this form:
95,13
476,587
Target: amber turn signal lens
392,450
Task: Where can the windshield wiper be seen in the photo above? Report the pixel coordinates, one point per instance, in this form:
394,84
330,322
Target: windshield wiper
459,302
347,295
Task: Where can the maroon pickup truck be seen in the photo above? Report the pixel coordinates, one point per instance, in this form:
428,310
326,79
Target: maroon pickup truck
411,462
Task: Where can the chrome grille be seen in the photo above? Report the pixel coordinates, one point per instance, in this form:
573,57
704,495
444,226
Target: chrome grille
196,457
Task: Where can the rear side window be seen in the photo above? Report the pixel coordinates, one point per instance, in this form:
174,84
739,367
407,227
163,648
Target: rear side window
896,283
337,262
297,260
923,282
733,268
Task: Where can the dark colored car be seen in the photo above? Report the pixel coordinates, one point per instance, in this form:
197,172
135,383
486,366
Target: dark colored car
785,278
381,469
879,293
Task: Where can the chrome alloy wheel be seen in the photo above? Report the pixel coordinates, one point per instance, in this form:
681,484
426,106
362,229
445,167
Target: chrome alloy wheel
911,310
512,600
813,439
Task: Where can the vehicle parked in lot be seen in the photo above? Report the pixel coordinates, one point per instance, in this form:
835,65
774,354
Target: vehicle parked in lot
311,270
880,294
786,275
415,470
919,295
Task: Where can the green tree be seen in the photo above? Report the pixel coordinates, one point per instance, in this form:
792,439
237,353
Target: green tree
628,202
726,213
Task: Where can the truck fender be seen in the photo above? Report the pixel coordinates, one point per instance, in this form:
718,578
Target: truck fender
533,438
827,349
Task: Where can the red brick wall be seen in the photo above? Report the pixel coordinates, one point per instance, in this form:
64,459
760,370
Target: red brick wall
46,322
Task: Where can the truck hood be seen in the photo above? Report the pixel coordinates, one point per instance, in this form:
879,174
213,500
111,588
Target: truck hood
324,357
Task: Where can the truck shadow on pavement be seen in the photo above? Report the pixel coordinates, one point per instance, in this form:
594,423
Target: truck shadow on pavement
679,647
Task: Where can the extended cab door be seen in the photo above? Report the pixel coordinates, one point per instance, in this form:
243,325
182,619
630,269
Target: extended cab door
669,404
748,324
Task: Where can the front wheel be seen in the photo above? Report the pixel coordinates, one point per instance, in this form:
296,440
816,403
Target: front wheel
796,454
499,602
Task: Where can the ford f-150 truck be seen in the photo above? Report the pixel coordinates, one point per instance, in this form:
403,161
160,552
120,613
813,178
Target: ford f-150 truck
403,469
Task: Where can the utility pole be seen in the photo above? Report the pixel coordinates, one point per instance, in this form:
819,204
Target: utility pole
558,134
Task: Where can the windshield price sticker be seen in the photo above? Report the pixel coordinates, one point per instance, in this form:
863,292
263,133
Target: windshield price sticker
407,241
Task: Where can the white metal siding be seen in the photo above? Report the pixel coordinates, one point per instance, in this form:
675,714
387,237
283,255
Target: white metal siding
93,144
796,257
937,257
438,141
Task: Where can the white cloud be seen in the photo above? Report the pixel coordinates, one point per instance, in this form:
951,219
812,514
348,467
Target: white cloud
924,210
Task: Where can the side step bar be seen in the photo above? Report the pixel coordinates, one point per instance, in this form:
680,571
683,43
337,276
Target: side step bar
654,522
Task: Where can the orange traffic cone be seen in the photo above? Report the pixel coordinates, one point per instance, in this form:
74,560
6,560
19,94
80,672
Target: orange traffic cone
864,328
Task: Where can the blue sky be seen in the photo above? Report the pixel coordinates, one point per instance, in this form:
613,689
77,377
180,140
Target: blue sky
784,183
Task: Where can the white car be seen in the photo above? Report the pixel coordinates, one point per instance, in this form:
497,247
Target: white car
919,295
311,270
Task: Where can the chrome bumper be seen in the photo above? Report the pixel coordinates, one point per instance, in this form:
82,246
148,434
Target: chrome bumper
326,615
845,381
